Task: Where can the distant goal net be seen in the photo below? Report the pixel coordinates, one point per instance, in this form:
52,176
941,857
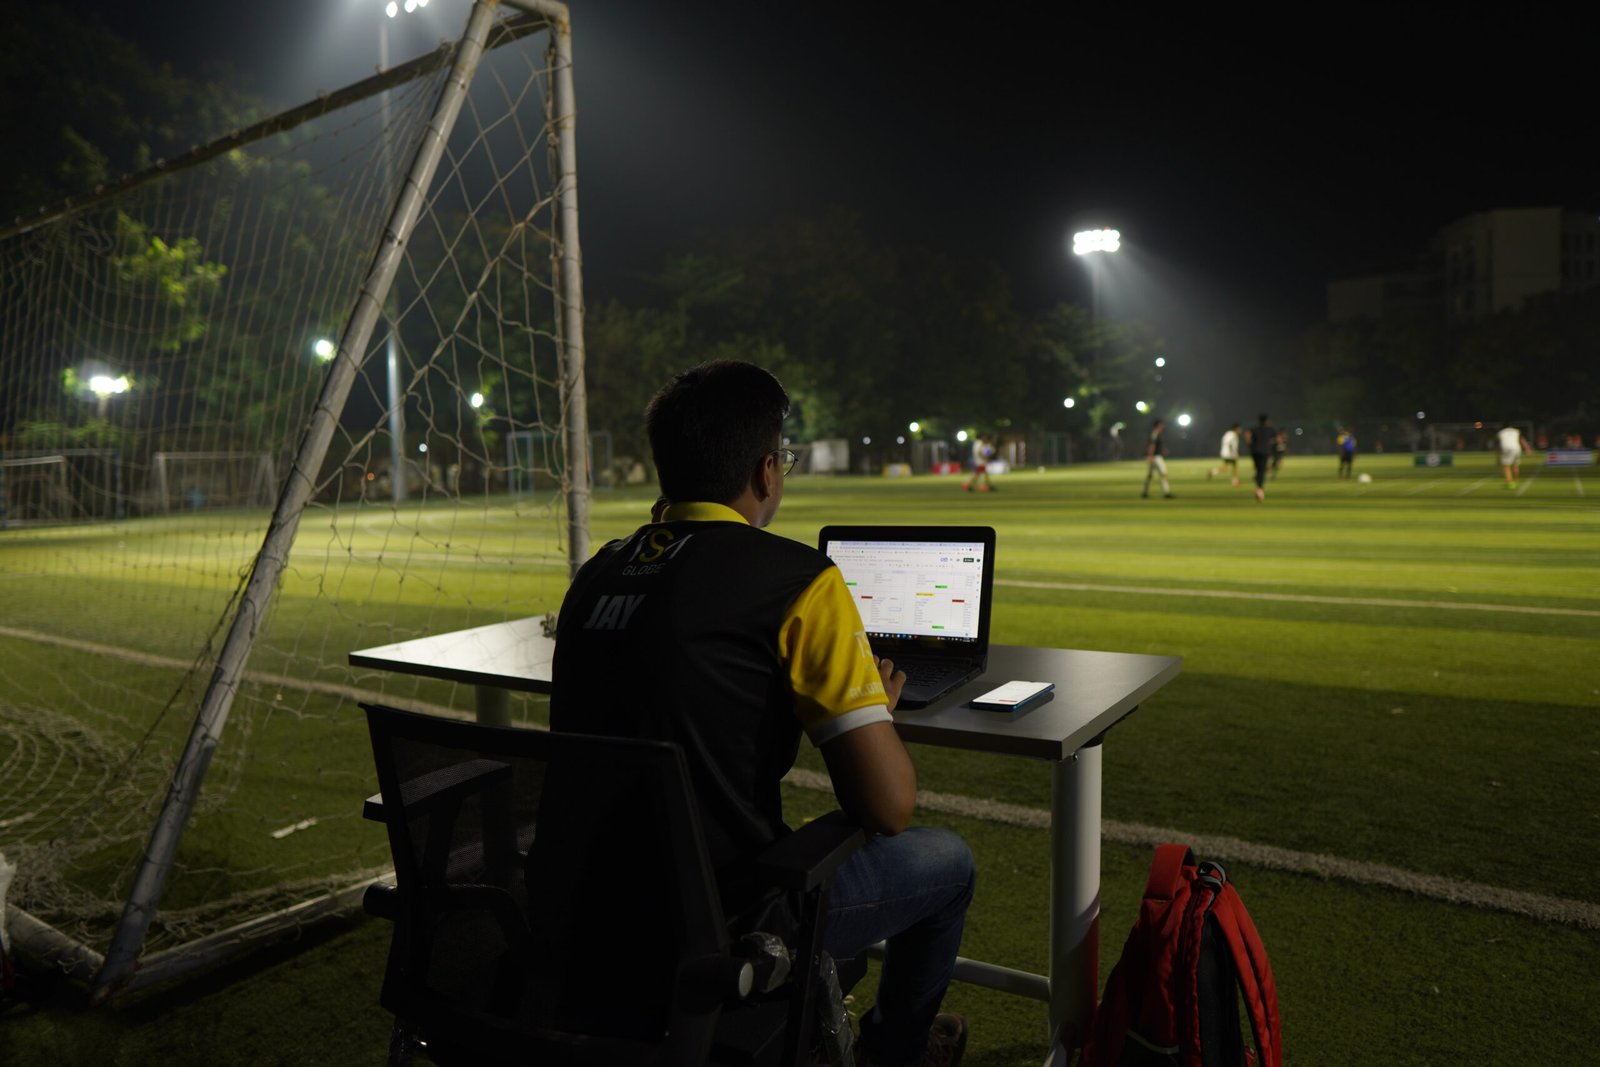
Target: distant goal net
296,354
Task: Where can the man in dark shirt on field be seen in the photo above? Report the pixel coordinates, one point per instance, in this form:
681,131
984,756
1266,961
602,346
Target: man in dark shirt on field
1262,438
704,630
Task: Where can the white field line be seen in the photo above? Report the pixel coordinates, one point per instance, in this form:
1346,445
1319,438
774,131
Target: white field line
1232,850
1473,487
1516,902
147,659
1423,488
1299,598
1577,483
1523,488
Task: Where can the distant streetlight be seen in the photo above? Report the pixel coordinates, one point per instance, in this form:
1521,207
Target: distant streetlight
1141,407
866,440
1184,420
961,435
1069,402
324,349
1161,361
915,427
476,400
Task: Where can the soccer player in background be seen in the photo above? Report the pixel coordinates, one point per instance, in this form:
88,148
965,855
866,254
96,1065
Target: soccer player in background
1155,451
1512,447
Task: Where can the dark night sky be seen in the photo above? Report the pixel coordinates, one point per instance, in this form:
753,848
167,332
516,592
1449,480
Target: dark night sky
1245,160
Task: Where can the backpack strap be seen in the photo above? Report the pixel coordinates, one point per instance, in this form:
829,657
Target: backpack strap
1166,871
1255,975
1203,893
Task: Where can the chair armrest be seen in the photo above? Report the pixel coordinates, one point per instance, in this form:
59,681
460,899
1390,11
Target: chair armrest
807,858
447,785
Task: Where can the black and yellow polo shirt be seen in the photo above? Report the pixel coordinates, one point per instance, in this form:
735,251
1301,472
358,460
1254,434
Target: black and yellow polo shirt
728,640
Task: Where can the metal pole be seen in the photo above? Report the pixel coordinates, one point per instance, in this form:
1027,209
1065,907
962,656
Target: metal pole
397,414
569,309
128,939
1074,896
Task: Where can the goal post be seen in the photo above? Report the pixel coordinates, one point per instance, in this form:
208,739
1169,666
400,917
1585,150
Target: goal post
241,300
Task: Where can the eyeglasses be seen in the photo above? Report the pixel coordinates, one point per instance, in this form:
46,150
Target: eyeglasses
786,458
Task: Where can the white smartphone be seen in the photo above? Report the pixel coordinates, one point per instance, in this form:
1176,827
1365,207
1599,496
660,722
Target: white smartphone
1012,696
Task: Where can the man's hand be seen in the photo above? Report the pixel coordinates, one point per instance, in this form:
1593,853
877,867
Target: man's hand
893,681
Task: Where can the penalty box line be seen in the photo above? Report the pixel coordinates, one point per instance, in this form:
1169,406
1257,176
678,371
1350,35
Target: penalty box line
1299,598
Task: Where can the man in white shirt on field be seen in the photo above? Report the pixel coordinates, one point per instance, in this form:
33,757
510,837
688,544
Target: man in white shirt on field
1230,456
1512,446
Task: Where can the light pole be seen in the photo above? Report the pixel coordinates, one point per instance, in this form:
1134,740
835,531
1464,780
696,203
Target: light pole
397,412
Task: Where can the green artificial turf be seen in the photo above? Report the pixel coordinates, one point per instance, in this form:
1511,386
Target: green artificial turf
1403,672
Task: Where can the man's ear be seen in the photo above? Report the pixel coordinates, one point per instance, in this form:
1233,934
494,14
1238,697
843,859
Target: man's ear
761,480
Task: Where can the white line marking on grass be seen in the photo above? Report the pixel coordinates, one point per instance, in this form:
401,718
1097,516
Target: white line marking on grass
147,659
1473,487
1523,488
1300,598
1577,483
1424,487
1230,849
303,824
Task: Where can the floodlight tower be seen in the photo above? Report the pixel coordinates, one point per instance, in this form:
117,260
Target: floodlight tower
1087,243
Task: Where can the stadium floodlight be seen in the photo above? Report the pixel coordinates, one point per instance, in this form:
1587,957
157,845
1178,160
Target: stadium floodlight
1086,242
915,427
103,385
1069,402
1141,407
476,400
961,435
1422,414
866,440
324,349
900,439
1161,361
1184,419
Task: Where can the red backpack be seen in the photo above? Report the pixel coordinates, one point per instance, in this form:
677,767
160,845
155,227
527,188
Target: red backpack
1173,997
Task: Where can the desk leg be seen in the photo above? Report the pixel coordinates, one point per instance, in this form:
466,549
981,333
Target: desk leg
1074,899
494,705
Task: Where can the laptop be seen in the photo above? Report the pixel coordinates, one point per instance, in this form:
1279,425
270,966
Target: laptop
924,594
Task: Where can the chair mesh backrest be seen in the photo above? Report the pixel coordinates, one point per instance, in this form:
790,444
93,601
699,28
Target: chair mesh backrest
591,843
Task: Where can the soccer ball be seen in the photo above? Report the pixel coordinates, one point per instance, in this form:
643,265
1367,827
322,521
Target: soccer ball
1363,477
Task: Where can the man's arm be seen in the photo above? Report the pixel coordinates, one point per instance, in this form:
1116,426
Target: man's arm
873,777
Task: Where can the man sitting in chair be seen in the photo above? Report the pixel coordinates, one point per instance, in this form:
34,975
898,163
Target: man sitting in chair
704,630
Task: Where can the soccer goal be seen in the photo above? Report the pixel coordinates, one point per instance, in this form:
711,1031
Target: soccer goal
308,342
193,481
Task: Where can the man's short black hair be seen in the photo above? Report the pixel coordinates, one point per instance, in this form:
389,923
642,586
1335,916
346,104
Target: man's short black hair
711,425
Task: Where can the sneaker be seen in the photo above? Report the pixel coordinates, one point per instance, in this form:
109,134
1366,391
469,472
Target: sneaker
947,1042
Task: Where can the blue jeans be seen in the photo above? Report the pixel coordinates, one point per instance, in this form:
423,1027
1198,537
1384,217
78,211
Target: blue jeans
911,890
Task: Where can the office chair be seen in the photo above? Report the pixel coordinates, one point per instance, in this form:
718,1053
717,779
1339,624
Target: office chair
553,903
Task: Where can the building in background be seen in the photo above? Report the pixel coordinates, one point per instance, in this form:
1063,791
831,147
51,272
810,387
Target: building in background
1482,263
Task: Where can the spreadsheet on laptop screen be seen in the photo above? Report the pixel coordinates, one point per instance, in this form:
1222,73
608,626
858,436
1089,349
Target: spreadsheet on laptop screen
923,589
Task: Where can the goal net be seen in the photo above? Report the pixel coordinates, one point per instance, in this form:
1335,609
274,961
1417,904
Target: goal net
59,486
306,344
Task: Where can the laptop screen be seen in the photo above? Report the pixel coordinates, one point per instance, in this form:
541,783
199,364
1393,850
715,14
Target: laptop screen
925,586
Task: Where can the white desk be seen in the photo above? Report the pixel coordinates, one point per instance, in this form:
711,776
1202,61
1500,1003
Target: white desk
1094,691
